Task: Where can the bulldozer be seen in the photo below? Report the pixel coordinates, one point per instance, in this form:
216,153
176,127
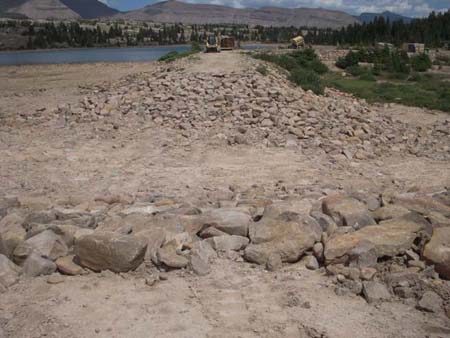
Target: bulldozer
298,42
213,43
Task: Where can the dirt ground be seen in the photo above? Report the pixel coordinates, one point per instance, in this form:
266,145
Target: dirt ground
39,157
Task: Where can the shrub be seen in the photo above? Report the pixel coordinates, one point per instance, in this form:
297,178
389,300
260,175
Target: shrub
399,62
318,66
351,59
421,63
367,76
307,79
195,47
171,56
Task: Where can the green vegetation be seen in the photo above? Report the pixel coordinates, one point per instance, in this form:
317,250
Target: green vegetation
304,67
262,69
390,78
172,56
434,31
428,91
421,63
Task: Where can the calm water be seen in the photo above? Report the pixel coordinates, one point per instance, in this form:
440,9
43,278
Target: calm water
93,55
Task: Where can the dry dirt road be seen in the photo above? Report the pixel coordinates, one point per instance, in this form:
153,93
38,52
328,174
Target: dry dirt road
40,159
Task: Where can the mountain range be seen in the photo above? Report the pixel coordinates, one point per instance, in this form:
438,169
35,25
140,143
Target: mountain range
173,11
55,9
369,17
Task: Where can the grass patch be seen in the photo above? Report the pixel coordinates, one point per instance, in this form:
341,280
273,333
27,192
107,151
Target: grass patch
426,91
304,67
172,56
262,70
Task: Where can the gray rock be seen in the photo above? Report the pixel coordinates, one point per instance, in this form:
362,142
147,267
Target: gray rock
12,233
168,256
230,221
199,265
353,286
437,251
430,302
212,232
325,221
46,244
9,272
347,211
204,250
274,262
318,250
311,263
225,243
36,265
374,291
155,239
110,251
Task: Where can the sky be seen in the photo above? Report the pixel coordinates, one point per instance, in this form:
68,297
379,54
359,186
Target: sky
413,8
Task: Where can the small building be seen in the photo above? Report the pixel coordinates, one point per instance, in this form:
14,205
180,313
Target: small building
414,48
227,42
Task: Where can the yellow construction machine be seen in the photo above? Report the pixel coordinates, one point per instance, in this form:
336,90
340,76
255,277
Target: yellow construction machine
298,42
213,43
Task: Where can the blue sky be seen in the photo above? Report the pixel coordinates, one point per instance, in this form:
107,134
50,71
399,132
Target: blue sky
405,7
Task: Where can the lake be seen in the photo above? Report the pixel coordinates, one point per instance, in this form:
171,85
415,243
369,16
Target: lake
94,55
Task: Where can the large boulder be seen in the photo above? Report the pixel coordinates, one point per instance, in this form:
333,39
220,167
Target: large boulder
9,272
227,242
297,206
155,239
387,239
36,265
47,244
389,211
347,211
421,204
12,233
110,251
230,221
437,251
288,238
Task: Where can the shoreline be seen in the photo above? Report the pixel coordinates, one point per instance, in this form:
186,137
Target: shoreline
128,47
84,48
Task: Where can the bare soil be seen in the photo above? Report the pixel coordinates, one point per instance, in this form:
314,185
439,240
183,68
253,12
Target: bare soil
40,158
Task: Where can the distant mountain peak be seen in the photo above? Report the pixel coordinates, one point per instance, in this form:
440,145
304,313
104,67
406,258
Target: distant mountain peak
55,9
388,15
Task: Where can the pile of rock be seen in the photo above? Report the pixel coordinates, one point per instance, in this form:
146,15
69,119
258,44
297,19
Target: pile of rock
377,246
248,107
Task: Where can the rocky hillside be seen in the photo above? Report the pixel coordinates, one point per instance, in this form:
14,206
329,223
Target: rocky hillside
55,9
175,11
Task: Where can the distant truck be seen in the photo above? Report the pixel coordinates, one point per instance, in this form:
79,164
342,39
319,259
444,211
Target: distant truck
213,43
298,42
226,42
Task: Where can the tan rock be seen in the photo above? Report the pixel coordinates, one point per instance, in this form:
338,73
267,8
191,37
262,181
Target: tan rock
437,251
67,266
388,239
